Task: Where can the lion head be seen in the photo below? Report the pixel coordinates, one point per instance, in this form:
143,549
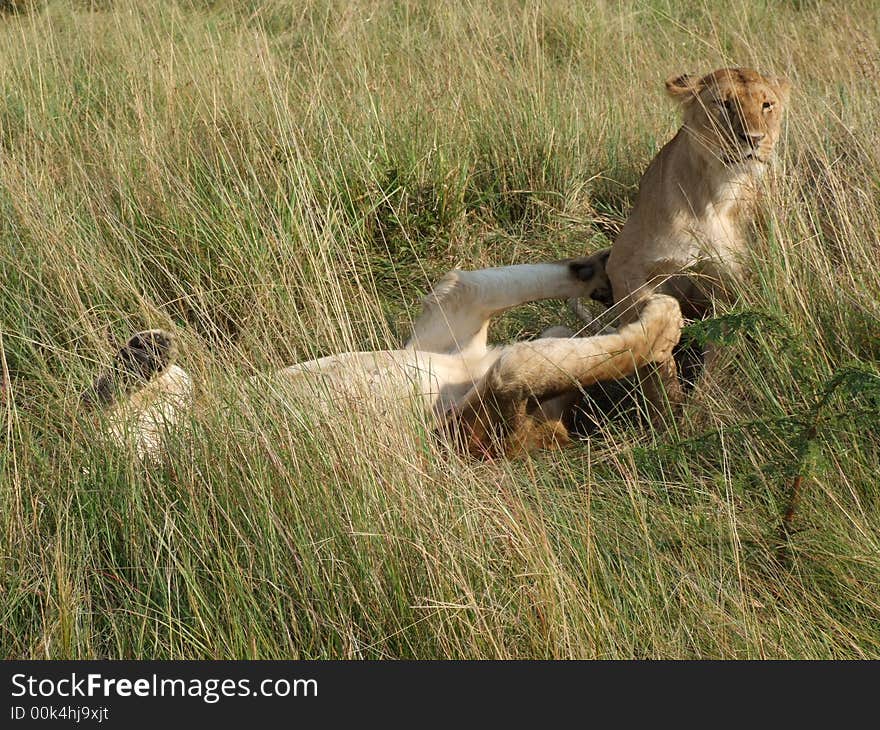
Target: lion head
734,114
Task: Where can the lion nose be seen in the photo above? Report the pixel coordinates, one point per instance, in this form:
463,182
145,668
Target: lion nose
752,138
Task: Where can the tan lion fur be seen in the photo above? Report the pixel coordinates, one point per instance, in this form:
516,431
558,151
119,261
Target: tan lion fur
687,233
682,247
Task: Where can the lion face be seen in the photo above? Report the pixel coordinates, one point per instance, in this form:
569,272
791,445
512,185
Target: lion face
733,114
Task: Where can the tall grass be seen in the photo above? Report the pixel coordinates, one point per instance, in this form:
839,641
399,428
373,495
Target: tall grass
278,180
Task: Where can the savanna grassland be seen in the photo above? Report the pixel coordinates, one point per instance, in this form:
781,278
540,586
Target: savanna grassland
278,180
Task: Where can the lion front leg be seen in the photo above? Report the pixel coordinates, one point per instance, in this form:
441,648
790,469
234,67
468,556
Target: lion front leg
663,391
501,415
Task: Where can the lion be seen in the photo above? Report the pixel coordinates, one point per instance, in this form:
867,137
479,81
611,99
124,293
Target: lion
447,364
687,233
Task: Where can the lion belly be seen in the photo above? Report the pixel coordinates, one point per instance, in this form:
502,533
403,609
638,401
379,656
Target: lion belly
431,381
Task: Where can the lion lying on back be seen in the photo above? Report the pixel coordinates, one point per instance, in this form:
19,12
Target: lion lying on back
447,363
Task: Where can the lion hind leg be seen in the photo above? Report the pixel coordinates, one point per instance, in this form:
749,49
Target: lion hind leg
455,315
143,393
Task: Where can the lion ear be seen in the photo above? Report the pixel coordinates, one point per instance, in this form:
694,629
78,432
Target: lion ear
683,87
783,87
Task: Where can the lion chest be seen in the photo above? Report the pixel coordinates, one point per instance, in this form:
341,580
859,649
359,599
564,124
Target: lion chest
715,238
688,241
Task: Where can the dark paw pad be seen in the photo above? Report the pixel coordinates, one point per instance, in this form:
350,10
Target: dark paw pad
603,295
582,270
145,355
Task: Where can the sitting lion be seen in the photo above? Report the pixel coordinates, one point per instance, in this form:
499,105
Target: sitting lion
447,364
686,234
685,237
